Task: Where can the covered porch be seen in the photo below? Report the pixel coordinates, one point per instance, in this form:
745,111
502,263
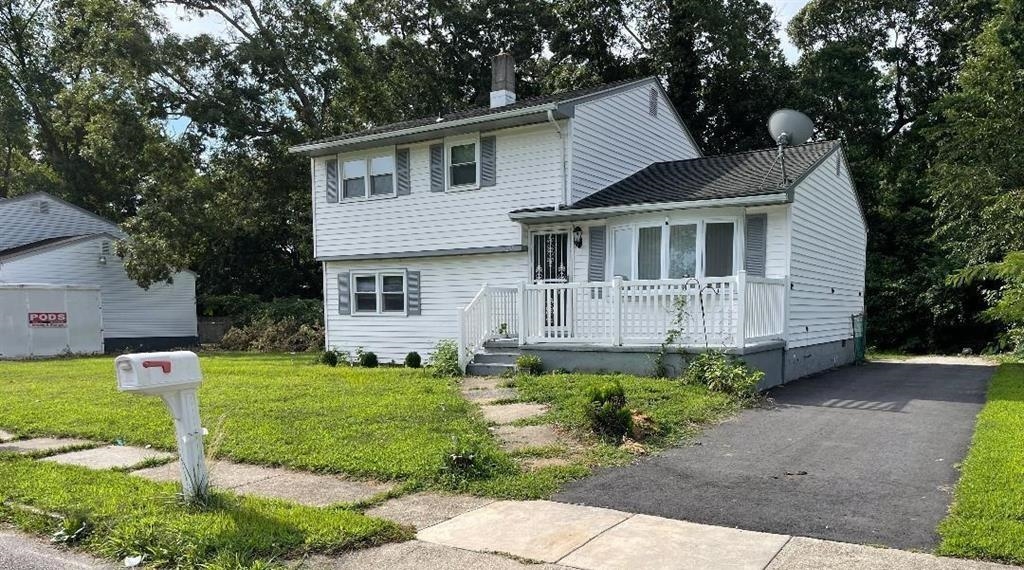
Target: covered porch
721,312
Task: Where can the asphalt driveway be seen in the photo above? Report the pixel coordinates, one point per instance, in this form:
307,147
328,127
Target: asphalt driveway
863,454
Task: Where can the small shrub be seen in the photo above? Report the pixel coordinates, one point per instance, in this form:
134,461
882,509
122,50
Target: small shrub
444,362
721,372
606,410
330,358
529,364
267,335
368,360
412,360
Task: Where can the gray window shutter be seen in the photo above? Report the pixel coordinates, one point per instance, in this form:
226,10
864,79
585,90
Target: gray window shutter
344,296
488,161
756,247
331,168
412,291
402,182
437,167
596,255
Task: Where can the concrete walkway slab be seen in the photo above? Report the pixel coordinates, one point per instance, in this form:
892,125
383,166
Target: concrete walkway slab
536,530
812,554
23,552
313,490
42,444
422,510
508,413
417,555
6,436
223,474
109,457
652,542
487,396
515,438
470,383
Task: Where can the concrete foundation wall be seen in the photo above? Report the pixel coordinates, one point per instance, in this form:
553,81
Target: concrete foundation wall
778,364
807,360
640,360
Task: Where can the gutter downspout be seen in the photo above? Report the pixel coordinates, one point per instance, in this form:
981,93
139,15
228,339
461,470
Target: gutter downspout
561,152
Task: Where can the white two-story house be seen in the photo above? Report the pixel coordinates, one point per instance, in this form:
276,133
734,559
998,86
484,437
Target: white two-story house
582,227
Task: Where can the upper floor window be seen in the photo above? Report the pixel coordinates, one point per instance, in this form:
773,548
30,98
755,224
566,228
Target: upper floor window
354,179
463,158
368,176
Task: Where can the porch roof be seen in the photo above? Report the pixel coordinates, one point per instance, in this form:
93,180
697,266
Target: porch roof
740,177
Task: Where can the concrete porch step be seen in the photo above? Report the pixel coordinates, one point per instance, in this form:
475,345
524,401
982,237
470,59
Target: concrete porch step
502,343
496,357
490,369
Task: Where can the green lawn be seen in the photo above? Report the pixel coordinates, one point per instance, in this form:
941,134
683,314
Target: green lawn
385,423
130,516
987,517
268,409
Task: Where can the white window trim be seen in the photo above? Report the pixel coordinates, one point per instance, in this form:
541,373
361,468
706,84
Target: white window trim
665,223
379,291
449,142
367,159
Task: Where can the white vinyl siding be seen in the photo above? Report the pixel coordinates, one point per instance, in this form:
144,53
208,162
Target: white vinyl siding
615,136
527,175
827,257
445,283
23,223
129,311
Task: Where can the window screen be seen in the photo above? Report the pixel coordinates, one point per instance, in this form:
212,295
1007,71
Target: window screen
366,293
382,176
622,253
718,249
682,251
649,253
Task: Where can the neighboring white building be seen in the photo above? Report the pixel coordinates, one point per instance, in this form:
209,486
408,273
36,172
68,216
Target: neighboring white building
573,224
46,240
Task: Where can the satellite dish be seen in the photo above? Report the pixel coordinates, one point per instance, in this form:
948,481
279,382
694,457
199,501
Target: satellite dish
789,127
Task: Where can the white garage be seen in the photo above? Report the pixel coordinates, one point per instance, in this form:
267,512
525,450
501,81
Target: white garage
44,240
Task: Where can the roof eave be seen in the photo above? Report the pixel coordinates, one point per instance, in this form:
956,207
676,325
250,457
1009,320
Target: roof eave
514,117
589,213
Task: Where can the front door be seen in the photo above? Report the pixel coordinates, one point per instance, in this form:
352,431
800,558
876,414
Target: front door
551,265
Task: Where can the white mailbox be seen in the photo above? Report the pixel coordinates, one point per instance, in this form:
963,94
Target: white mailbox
175,377
158,372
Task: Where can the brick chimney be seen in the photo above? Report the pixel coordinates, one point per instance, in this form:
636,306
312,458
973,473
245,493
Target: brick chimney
503,80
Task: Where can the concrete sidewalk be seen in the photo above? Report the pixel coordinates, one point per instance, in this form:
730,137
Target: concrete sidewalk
506,533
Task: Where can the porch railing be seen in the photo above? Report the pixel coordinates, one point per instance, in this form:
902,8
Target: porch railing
716,312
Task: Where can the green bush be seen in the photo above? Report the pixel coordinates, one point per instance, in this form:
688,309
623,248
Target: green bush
330,358
368,360
247,309
606,410
721,372
413,360
266,335
444,362
529,364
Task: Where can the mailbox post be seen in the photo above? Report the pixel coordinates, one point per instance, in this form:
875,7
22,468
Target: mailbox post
175,377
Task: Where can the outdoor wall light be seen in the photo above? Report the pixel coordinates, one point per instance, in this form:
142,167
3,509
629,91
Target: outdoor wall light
577,236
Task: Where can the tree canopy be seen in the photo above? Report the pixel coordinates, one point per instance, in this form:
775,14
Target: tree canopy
183,139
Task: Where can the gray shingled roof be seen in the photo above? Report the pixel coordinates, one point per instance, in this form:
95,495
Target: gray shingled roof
751,173
440,120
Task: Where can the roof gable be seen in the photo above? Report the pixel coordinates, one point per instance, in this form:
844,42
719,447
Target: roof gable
31,218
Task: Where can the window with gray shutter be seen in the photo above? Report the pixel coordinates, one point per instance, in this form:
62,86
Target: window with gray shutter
437,167
412,289
344,293
331,167
488,161
402,181
596,256
756,246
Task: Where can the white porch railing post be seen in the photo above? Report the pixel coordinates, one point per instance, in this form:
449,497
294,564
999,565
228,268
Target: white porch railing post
488,316
741,309
617,311
521,316
787,285
461,313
